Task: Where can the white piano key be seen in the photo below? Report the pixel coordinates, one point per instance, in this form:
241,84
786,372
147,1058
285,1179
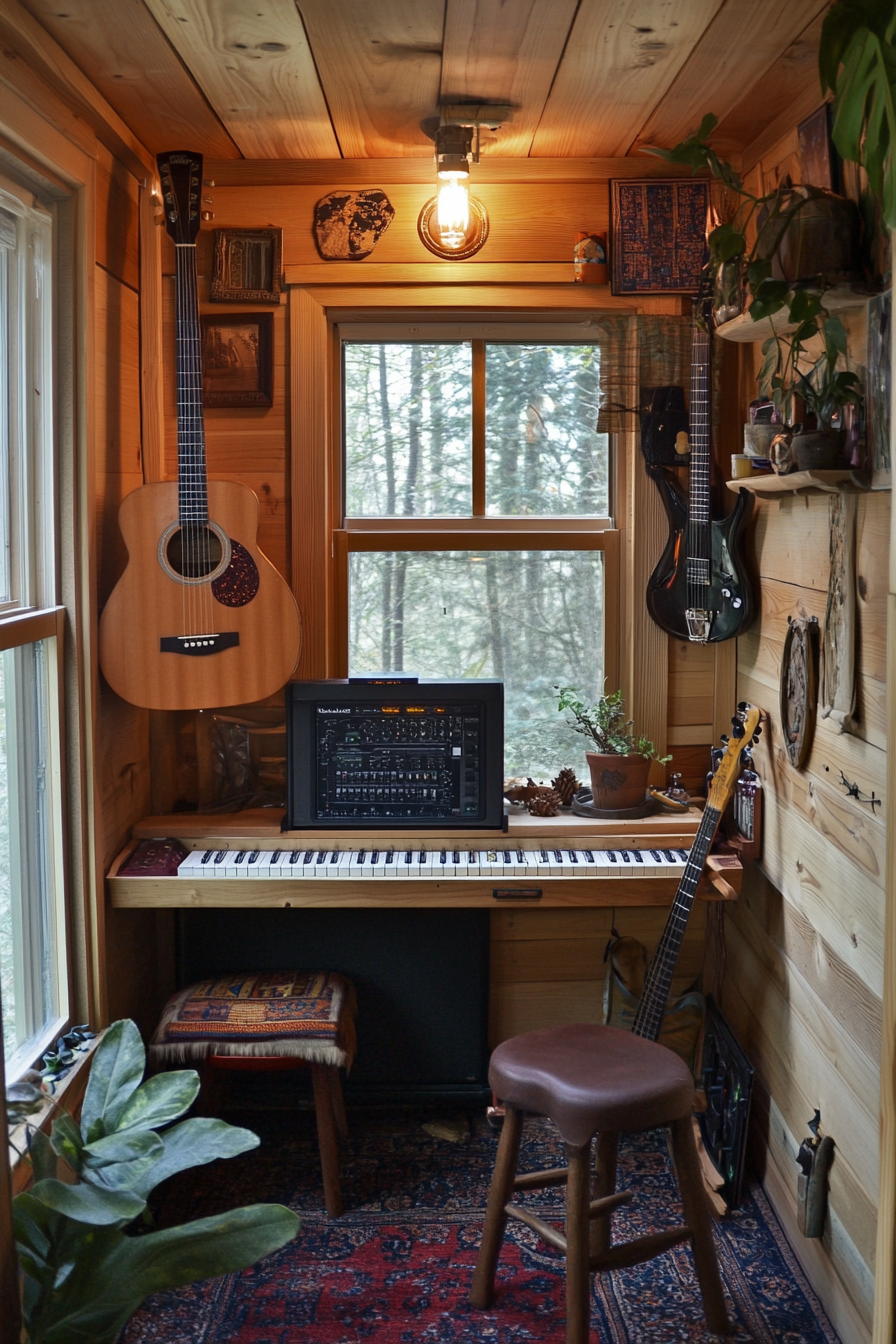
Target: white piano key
191,866
235,863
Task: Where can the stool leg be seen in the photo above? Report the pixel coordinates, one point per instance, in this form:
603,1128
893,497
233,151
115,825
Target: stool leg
326,1138
338,1103
578,1276
699,1220
482,1294
605,1152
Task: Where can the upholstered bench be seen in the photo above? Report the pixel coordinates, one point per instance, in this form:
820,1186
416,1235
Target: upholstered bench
269,1020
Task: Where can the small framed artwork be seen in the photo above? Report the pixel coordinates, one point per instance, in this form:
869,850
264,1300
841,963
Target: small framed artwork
819,165
877,391
247,266
238,360
659,235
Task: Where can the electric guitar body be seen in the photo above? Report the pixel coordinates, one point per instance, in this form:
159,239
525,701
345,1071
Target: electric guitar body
700,590
720,605
200,617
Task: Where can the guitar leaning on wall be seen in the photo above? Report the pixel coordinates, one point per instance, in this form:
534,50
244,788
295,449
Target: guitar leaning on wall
655,995
200,616
699,589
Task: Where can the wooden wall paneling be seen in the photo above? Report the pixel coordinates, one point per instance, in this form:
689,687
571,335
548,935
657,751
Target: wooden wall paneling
309,459
116,214
732,57
508,291
257,72
127,58
724,689
359,50
619,60
152,357
779,92
691,677
24,37
505,54
364,172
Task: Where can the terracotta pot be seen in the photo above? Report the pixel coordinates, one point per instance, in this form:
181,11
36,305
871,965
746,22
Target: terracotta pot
819,450
617,782
821,239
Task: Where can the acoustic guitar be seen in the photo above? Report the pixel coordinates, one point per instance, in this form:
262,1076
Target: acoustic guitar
655,995
699,589
200,616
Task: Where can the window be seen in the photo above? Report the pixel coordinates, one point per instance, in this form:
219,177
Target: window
33,979
478,534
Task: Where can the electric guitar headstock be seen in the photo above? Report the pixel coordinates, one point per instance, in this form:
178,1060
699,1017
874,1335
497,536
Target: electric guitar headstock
745,730
180,173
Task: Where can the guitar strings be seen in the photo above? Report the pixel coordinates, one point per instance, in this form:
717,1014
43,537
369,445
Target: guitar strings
195,531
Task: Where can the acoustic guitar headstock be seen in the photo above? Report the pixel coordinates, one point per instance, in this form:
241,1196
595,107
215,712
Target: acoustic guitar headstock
180,173
745,730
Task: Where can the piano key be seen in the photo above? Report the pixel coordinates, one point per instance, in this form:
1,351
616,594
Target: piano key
192,865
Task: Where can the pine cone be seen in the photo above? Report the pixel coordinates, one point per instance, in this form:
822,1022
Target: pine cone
545,804
566,785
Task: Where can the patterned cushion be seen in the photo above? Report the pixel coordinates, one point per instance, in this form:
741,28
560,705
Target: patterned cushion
307,1014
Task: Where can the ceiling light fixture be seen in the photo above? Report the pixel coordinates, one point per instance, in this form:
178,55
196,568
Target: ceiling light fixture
453,224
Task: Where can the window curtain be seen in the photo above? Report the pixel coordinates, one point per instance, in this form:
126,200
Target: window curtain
638,352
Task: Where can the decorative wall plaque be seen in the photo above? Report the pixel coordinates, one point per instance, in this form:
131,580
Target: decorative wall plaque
659,235
349,224
238,359
799,687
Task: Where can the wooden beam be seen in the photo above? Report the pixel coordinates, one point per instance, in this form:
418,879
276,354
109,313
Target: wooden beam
733,54
499,53
620,59
257,72
25,36
379,66
359,172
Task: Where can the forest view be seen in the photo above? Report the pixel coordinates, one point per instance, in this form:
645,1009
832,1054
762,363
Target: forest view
532,618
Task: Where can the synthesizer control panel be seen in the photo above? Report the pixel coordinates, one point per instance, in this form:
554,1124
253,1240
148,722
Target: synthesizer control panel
394,762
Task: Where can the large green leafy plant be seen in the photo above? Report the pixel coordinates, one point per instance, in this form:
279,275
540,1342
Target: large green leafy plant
87,1265
605,724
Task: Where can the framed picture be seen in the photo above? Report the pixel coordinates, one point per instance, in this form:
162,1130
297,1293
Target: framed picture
659,235
247,266
877,390
238,359
819,164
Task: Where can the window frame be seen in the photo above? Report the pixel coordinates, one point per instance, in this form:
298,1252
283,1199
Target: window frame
479,530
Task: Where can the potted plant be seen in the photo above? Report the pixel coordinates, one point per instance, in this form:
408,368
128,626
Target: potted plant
619,761
86,1257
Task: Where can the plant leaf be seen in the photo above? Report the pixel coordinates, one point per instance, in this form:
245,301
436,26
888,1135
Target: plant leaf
192,1143
160,1100
67,1141
43,1158
123,1147
118,1064
88,1203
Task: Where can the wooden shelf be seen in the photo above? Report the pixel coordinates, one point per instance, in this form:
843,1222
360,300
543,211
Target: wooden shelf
828,482
744,330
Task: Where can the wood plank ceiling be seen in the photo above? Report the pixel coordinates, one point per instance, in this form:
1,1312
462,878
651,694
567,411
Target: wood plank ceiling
324,79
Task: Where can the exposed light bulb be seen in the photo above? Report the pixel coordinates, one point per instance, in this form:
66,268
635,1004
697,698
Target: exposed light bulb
453,212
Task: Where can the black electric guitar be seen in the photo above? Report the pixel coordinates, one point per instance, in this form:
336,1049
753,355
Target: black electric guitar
655,995
699,589
200,617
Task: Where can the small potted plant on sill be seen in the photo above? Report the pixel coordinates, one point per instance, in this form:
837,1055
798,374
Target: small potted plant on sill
619,761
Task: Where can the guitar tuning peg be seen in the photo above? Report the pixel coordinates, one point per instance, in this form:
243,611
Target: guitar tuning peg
742,706
725,739
757,734
738,731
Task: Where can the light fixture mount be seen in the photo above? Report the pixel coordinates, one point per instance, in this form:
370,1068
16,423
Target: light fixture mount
454,225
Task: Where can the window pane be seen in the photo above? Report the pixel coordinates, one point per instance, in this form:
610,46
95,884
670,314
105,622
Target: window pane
543,452
408,417
534,619
29,950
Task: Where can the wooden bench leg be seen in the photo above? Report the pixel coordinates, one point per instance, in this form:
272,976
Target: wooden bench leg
482,1293
578,1275
338,1103
699,1220
326,1137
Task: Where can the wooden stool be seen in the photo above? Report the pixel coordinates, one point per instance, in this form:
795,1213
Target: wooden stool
270,1021
594,1080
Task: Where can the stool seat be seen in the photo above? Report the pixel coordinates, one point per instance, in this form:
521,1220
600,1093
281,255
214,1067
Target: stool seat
588,1078
268,1020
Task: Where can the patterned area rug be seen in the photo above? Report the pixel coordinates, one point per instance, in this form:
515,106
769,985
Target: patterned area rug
396,1268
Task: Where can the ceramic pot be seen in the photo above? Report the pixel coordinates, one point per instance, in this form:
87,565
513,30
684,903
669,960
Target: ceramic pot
617,782
819,450
821,239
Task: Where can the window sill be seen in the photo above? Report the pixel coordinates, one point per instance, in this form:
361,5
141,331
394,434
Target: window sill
67,1096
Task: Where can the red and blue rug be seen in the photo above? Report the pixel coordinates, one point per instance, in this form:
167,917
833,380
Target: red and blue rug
396,1267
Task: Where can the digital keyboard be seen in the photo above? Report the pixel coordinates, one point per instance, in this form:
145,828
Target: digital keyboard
431,864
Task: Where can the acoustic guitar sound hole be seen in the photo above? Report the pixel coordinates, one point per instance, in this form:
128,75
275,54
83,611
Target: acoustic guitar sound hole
194,552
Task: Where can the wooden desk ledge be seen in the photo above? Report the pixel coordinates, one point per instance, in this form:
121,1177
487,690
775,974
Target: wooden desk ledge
721,878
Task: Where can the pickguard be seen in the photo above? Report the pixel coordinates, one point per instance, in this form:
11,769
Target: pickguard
237,586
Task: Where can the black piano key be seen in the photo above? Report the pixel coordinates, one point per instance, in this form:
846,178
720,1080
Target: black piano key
296,856
276,855
667,854
408,857
421,857
558,855
655,853
682,854
220,855
240,856
253,857
456,858
626,855
334,857
507,856
636,855
206,856
321,856
520,856
611,855
573,856
544,856
374,857
390,856
443,856
589,855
